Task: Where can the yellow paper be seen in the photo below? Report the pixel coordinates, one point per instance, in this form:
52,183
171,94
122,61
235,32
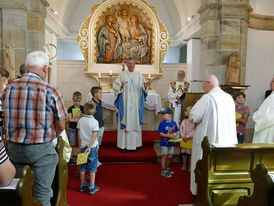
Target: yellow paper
186,145
82,158
75,111
238,115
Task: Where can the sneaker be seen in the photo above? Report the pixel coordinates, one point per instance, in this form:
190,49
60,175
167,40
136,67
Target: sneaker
183,167
169,171
164,173
92,191
83,188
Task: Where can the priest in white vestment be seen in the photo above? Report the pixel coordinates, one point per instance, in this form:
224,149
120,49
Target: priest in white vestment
175,91
264,119
130,93
214,116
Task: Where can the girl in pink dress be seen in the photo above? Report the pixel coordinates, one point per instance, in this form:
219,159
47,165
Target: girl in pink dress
186,131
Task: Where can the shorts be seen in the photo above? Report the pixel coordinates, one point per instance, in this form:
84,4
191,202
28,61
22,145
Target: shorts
100,134
91,165
167,150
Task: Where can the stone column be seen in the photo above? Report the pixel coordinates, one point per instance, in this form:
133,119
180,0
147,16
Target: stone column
22,25
224,25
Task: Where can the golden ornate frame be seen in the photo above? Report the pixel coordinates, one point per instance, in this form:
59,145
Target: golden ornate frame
87,38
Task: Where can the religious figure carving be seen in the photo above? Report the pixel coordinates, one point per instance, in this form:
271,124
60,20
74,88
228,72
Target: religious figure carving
233,69
137,46
109,41
9,61
123,22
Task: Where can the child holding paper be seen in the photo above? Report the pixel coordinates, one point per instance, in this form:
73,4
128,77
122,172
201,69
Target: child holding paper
88,127
168,130
242,113
74,113
186,130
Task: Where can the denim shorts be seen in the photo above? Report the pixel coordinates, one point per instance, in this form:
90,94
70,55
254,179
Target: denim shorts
91,165
167,150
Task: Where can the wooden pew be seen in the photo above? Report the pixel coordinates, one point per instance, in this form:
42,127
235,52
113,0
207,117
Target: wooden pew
59,185
263,193
223,174
23,194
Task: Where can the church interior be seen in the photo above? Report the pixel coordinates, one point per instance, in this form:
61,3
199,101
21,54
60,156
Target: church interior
196,36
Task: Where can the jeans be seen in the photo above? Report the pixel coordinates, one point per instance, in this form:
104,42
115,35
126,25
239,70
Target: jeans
240,138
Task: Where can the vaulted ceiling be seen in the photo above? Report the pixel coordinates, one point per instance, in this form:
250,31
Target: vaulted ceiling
173,13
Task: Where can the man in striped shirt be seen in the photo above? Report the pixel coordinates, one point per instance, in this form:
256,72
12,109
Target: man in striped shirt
34,114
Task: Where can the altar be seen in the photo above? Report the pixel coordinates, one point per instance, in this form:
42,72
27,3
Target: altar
153,105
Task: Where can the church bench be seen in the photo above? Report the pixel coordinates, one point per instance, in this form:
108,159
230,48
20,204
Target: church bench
263,192
223,174
22,195
59,185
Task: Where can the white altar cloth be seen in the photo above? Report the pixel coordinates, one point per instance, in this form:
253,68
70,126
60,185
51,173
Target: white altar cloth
153,101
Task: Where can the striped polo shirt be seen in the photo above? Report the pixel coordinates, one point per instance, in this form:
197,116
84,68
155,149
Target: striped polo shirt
31,107
241,128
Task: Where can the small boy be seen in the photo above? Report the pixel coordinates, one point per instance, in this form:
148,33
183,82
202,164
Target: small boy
242,113
168,130
74,113
88,143
97,96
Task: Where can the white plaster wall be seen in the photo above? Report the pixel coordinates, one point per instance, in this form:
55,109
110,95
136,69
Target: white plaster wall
259,67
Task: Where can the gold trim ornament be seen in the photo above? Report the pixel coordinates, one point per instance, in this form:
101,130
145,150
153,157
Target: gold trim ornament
88,32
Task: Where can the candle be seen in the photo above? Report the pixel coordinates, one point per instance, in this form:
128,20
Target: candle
99,74
149,76
110,72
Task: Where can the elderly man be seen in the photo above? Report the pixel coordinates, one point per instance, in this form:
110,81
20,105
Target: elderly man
175,91
264,119
130,91
214,116
34,114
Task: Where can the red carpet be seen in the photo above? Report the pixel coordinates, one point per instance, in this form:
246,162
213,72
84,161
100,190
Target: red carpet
109,152
133,184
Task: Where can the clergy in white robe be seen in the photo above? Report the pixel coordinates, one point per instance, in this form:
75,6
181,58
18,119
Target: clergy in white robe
175,91
130,92
214,116
264,119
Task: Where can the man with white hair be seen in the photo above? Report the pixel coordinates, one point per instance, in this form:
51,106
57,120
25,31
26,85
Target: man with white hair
175,94
264,119
34,114
214,116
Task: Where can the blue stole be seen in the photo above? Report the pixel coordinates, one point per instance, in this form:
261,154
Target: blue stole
119,103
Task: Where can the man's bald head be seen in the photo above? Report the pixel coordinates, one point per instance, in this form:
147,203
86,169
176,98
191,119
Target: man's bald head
210,82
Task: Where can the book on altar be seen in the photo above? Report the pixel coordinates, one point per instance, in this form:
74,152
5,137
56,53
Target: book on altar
82,158
75,111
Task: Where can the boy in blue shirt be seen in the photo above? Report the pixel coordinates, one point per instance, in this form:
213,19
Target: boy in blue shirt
168,130
97,97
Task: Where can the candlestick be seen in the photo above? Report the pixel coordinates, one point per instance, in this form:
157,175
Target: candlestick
149,76
110,73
